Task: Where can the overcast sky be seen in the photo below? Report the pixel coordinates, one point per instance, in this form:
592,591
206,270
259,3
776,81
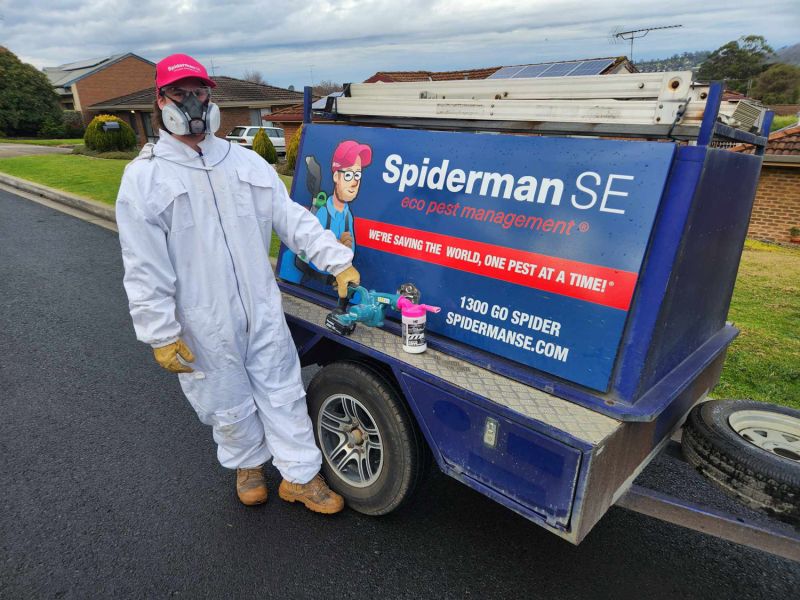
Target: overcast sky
297,43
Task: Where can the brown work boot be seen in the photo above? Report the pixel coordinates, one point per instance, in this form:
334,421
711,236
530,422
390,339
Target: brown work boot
315,494
250,485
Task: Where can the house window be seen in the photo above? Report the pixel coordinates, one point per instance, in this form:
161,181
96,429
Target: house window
255,116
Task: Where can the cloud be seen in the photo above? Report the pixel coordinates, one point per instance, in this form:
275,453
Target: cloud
351,39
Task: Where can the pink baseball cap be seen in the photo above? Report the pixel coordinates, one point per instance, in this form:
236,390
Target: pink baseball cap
346,153
180,66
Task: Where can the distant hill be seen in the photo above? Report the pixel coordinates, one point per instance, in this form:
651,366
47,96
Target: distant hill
688,61
789,55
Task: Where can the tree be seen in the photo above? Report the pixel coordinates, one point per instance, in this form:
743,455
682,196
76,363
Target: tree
323,88
264,147
254,77
779,84
27,100
737,62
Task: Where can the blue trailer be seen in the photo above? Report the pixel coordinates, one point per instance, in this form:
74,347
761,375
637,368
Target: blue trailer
584,257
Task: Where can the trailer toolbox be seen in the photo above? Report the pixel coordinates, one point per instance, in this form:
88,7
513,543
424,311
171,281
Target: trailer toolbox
582,237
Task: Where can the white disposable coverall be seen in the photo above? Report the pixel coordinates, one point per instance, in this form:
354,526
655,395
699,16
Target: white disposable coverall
195,233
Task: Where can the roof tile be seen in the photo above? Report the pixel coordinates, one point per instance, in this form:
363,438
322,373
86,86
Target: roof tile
784,142
228,90
397,76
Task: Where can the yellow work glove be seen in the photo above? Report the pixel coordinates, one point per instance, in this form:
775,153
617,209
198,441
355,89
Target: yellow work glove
348,276
167,357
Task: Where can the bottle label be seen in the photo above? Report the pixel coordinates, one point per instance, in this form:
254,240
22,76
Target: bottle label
414,334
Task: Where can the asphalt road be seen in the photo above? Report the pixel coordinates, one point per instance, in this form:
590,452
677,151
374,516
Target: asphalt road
11,150
109,486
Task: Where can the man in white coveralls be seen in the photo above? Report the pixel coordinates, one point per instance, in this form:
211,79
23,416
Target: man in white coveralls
195,215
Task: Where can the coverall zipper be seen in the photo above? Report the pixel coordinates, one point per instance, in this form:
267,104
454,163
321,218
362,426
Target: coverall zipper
225,239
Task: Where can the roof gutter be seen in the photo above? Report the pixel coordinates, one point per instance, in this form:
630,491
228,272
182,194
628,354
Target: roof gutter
121,107
782,160
254,103
222,105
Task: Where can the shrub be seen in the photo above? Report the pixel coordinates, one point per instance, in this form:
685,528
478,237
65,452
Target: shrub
73,124
97,139
292,147
263,146
284,169
52,128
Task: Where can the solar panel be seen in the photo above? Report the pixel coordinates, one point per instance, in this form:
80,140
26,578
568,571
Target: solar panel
506,72
532,71
560,69
84,64
592,67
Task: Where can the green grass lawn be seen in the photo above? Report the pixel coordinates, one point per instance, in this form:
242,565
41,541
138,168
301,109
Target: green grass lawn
91,177
41,142
779,122
763,362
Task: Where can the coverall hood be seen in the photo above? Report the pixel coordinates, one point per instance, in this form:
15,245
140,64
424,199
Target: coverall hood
214,149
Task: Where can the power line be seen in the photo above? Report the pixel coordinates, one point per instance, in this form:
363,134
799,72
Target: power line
632,34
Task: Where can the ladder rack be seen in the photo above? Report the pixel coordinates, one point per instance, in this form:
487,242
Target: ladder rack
650,105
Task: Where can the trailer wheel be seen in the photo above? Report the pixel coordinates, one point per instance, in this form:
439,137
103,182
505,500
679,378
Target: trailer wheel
749,449
373,453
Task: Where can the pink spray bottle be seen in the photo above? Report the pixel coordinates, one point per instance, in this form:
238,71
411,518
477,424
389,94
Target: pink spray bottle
413,325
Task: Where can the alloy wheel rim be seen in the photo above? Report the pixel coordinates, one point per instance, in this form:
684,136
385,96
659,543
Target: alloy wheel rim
350,440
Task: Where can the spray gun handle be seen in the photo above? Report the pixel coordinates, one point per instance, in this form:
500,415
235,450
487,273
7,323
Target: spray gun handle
352,290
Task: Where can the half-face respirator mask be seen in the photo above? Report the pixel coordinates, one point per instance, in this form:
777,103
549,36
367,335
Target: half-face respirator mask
192,111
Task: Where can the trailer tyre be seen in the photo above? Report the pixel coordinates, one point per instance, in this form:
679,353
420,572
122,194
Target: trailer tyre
749,449
373,454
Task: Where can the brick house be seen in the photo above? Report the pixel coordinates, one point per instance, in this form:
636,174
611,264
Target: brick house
240,103
81,84
777,205
289,119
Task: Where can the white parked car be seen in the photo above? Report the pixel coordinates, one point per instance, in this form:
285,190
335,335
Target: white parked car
244,135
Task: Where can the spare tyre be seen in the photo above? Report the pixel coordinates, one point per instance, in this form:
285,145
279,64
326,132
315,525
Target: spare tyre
749,449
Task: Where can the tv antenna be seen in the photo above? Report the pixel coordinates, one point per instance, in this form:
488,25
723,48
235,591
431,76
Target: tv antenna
635,34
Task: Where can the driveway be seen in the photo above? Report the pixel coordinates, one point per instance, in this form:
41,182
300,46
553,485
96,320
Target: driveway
11,150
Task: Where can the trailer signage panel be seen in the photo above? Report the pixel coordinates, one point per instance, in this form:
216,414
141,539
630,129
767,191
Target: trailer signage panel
531,245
